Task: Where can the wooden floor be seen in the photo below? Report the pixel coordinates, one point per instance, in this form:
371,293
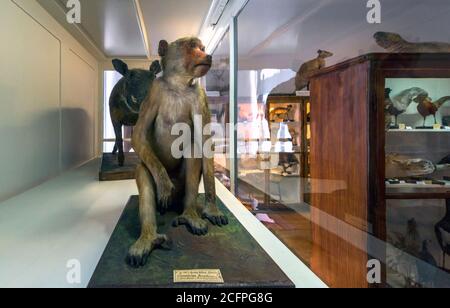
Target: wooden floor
295,232
292,228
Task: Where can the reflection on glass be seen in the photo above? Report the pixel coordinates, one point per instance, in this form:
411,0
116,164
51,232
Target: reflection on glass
217,85
417,171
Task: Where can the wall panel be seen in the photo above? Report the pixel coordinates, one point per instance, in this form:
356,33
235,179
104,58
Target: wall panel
48,98
29,101
77,109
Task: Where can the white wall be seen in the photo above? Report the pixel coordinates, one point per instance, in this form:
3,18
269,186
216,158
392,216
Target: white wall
48,98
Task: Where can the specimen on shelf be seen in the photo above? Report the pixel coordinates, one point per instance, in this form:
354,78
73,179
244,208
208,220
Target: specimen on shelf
281,113
427,107
309,68
393,42
126,99
399,103
402,166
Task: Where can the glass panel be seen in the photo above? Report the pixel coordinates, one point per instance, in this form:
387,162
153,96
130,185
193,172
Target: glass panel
417,171
311,164
272,127
217,84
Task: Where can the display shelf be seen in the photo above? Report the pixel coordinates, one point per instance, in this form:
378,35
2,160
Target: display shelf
417,191
418,131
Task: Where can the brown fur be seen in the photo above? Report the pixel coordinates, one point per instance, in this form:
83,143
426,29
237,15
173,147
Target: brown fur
309,68
162,179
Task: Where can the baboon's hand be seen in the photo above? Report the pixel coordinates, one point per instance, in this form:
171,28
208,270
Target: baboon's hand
214,215
141,250
165,189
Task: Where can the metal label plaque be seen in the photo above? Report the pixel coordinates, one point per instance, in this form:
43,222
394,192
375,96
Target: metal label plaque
198,275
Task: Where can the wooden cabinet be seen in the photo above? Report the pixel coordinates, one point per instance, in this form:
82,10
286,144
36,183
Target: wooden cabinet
348,148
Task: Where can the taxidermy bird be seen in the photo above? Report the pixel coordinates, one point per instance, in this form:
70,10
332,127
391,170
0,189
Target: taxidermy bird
402,101
426,274
427,107
442,231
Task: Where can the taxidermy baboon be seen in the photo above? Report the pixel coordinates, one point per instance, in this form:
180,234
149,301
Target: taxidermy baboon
309,68
164,181
126,99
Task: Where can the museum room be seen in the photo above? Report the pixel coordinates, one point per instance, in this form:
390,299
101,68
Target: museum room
252,144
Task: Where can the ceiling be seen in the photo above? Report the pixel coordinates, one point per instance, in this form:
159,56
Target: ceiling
272,33
172,19
114,26
285,33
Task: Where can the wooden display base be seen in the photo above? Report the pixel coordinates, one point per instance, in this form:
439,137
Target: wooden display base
111,171
231,249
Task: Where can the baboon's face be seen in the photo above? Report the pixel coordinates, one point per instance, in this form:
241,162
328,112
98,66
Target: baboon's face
387,39
196,61
188,57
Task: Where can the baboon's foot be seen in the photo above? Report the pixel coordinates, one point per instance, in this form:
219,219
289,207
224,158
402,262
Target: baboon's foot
121,159
193,222
215,216
141,250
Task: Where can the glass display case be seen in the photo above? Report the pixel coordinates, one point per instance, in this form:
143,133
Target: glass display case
417,179
320,169
381,149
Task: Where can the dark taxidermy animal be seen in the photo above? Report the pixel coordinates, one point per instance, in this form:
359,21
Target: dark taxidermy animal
393,42
400,103
309,68
126,99
166,181
427,107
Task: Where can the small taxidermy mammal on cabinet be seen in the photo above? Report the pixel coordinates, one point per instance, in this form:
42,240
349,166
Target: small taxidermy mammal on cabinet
162,178
393,42
309,68
126,99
